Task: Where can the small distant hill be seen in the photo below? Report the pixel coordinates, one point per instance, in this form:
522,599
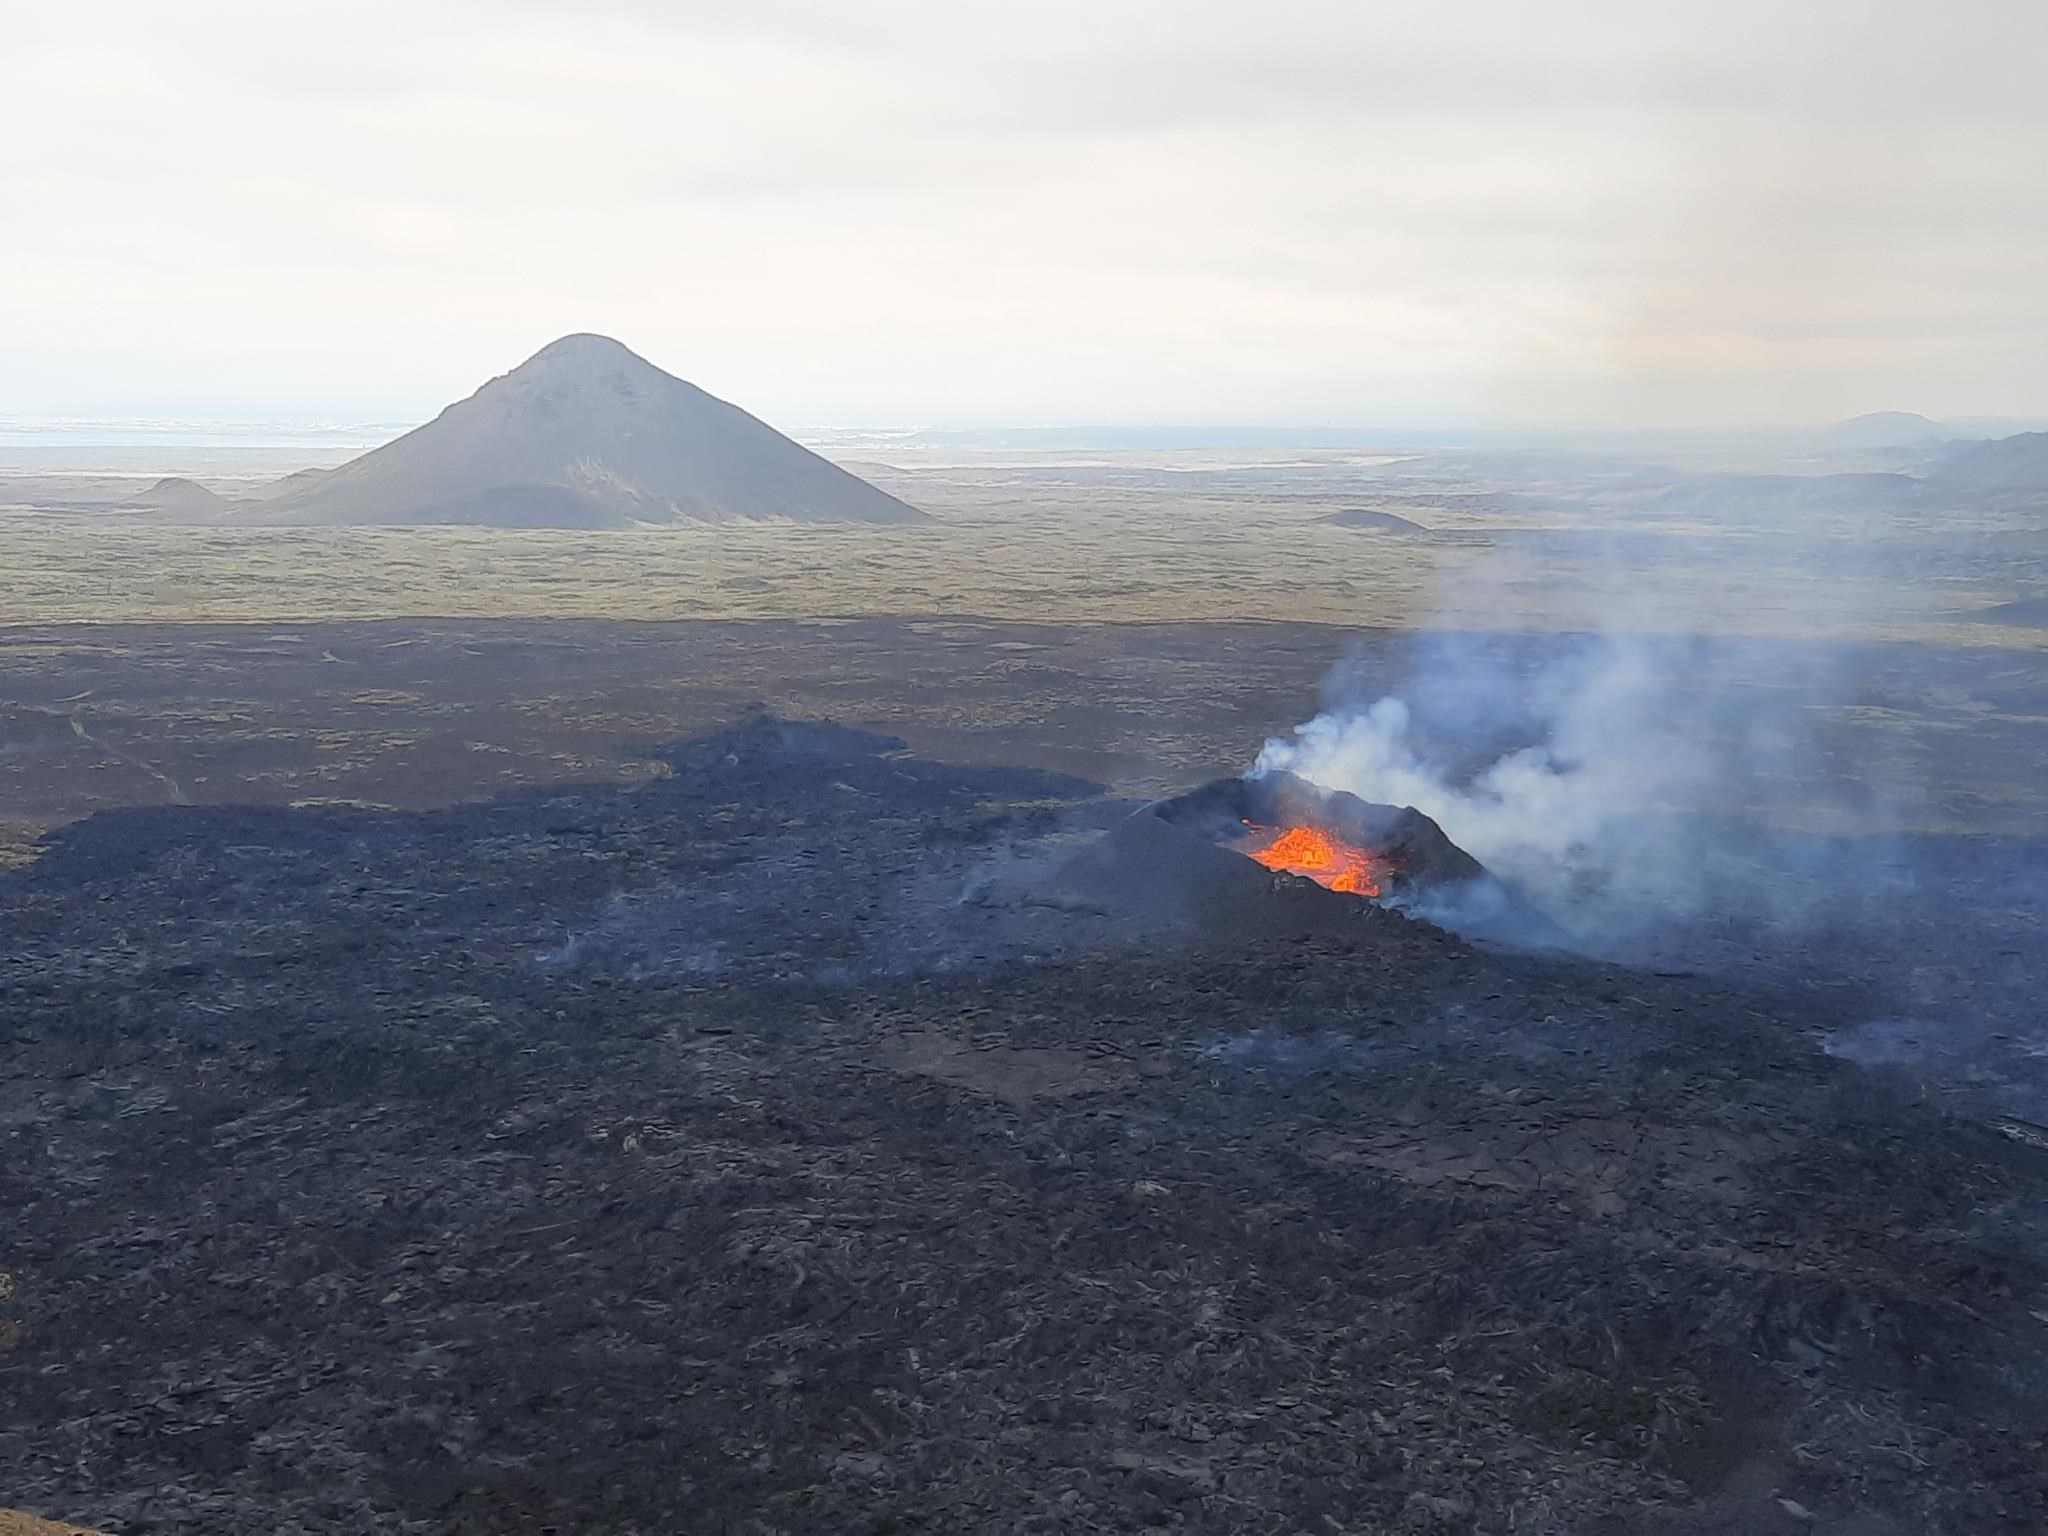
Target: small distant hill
585,434
2025,612
1983,427
1884,429
176,494
1377,522
2008,463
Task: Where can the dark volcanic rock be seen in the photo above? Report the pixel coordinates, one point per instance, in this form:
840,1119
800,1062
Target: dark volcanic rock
1149,875
1175,865
337,1200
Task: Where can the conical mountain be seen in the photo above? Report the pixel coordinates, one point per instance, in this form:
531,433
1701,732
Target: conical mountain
586,434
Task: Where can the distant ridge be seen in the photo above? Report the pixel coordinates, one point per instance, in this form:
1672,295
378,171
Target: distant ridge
585,434
2018,463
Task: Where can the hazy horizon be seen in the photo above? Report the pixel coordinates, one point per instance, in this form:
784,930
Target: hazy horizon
1475,215
349,437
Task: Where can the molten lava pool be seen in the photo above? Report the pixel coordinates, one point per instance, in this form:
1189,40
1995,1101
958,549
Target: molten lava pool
1316,854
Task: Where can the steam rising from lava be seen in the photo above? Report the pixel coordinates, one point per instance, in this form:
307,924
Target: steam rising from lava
1626,782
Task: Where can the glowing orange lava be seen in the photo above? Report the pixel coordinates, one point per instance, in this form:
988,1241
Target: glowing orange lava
1306,851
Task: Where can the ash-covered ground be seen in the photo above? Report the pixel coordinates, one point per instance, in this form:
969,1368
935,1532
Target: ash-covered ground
724,1137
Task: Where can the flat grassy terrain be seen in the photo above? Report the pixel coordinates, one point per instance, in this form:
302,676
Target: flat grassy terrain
1563,543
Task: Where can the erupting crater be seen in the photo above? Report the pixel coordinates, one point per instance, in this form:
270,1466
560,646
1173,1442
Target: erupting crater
1326,835
1315,854
1216,861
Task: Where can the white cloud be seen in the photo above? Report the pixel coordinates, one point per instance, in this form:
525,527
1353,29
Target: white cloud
1123,210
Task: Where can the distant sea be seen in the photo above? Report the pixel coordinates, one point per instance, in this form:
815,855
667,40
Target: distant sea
257,449
266,450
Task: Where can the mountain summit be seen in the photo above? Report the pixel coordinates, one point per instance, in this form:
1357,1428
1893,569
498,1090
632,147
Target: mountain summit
587,434
1884,429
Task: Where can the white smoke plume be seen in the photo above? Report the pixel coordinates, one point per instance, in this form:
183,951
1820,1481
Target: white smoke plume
1627,782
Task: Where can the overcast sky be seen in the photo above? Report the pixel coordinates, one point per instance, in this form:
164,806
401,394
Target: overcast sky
872,212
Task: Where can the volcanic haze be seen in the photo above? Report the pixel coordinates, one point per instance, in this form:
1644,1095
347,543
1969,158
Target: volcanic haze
587,434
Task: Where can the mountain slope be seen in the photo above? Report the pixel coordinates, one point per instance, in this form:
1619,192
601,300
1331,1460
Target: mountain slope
586,434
